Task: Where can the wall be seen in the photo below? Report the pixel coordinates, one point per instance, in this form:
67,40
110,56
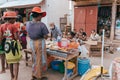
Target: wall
56,9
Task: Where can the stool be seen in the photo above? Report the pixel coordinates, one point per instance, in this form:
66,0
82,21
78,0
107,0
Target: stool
27,51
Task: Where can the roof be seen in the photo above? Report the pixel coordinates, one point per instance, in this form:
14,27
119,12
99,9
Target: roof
21,3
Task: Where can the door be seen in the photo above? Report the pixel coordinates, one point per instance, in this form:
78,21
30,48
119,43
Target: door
91,19
78,26
79,18
80,14
91,14
89,28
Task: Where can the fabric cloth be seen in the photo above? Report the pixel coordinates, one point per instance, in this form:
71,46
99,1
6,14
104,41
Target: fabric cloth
39,57
36,30
55,32
116,69
83,50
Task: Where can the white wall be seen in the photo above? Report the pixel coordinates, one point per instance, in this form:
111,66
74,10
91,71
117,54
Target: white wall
56,9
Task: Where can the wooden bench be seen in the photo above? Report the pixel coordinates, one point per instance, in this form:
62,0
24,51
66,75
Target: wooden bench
95,50
28,51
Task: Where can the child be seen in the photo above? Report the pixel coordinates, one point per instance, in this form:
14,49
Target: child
82,49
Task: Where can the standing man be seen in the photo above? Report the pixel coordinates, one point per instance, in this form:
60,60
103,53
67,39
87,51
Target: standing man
37,31
55,32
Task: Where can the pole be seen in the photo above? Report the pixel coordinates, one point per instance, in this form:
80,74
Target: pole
102,56
114,9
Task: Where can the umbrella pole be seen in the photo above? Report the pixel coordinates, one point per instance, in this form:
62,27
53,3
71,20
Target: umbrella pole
102,56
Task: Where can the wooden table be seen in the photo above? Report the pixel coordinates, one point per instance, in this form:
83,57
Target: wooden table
69,57
66,59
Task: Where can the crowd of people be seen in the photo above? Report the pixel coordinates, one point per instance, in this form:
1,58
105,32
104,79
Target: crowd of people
13,34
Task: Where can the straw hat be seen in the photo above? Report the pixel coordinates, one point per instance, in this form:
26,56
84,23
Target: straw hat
38,10
10,14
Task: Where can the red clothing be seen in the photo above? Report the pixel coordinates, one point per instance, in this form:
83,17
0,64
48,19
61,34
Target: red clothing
8,30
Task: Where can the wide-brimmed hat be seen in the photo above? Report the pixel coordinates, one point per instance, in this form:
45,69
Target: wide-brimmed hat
38,10
10,14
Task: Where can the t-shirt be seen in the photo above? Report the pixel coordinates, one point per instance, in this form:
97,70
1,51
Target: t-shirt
83,50
8,30
36,30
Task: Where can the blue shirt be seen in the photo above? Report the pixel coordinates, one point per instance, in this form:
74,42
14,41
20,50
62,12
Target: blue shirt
55,32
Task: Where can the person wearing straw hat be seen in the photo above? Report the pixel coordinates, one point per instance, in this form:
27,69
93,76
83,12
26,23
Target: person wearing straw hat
11,46
38,32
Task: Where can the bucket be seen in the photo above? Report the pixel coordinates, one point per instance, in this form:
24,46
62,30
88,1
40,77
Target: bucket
55,65
83,65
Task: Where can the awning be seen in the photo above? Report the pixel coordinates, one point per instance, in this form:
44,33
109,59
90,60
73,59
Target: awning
21,4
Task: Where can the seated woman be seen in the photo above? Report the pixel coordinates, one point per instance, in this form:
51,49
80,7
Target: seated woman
94,36
82,35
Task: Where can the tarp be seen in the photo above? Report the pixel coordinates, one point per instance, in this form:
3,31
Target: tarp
21,4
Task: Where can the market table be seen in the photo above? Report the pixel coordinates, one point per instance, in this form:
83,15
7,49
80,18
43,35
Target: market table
66,58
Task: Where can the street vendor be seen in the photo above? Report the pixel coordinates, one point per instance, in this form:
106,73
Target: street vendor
38,32
11,46
73,44
55,32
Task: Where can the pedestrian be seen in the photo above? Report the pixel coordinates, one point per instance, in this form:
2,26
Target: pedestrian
38,32
22,32
11,46
2,53
55,31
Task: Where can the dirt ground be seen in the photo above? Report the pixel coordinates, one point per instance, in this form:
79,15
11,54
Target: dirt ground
25,72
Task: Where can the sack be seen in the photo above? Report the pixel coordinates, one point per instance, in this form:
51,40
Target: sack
11,45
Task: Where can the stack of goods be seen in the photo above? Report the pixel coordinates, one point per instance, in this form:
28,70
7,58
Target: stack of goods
54,49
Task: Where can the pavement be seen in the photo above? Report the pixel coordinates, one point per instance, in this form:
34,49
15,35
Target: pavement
25,72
